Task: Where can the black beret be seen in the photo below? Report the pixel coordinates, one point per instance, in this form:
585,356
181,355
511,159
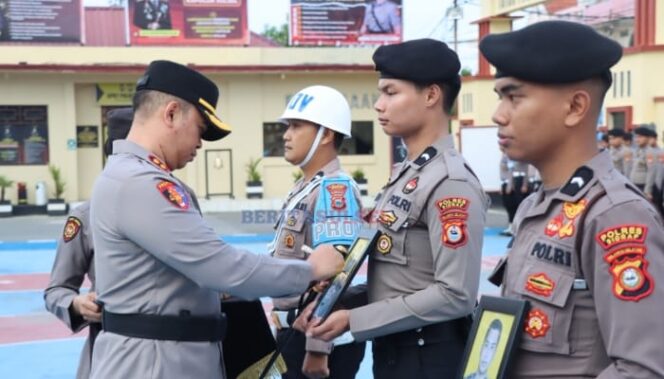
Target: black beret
119,122
552,52
423,61
617,133
644,131
187,84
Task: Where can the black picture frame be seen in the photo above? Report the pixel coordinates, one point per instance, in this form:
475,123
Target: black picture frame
494,337
365,241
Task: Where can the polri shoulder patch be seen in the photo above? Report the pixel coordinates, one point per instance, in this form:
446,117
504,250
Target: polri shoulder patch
175,194
72,227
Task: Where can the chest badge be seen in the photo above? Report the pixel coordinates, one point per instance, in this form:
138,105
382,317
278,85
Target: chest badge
537,323
387,218
411,185
384,244
540,284
289,240
563,225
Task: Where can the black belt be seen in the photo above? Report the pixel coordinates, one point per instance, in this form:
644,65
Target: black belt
184,328
453,330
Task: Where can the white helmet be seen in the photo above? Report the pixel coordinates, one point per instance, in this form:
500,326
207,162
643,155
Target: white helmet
321,105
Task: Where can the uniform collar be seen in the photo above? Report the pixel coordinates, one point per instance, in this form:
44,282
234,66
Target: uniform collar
577,186
129,147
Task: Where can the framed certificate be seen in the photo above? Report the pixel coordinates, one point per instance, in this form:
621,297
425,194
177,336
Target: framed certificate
493,337
365,241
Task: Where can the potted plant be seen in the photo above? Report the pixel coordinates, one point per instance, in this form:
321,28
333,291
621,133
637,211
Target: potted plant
56,206
6,207
297,175
361,180
254,183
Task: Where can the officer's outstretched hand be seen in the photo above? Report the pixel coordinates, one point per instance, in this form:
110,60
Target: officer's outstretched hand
336,324
325,262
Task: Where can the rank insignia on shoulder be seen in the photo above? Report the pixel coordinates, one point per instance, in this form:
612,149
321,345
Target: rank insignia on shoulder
384,244
411,185
337,193
175,194
159,163
72,227
540,284
580,178
537,323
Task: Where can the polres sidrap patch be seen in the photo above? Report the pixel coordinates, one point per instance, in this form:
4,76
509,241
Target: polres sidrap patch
453,213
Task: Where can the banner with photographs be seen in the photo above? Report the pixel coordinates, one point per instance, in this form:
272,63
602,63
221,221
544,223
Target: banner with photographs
188,22
40,21
345,22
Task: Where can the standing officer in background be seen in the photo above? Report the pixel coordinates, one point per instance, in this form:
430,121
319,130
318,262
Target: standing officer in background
73,260
587,245
424,273
654,160
160,268
641,167
516,181
323,207
620,155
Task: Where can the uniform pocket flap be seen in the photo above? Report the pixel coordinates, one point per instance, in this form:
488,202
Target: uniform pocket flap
547,285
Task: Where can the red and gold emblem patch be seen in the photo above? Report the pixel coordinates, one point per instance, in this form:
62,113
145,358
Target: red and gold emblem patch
337,193
174,194
384,244
291,221
159,163
563,224
72,227
411,185
540,284
453,213
289,240
387,218
537,323
626,250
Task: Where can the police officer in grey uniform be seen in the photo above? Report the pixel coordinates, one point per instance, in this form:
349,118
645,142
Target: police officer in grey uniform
323,207
73,261
588,246
160,268
620,155
642,162
424,273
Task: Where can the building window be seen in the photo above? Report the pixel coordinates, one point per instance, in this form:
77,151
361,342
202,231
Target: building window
362,142
467,102
23,135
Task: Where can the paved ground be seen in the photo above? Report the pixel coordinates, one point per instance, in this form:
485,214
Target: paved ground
34,344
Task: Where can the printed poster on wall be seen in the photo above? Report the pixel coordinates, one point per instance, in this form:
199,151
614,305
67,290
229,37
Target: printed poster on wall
40,21
345,22
188,22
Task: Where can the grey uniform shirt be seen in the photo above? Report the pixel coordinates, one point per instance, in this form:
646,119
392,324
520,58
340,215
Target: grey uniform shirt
73,261
295,227
621,162
599,230
155,255
426,266
639,173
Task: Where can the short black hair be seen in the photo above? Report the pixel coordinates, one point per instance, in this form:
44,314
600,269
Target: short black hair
450,93
338,140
